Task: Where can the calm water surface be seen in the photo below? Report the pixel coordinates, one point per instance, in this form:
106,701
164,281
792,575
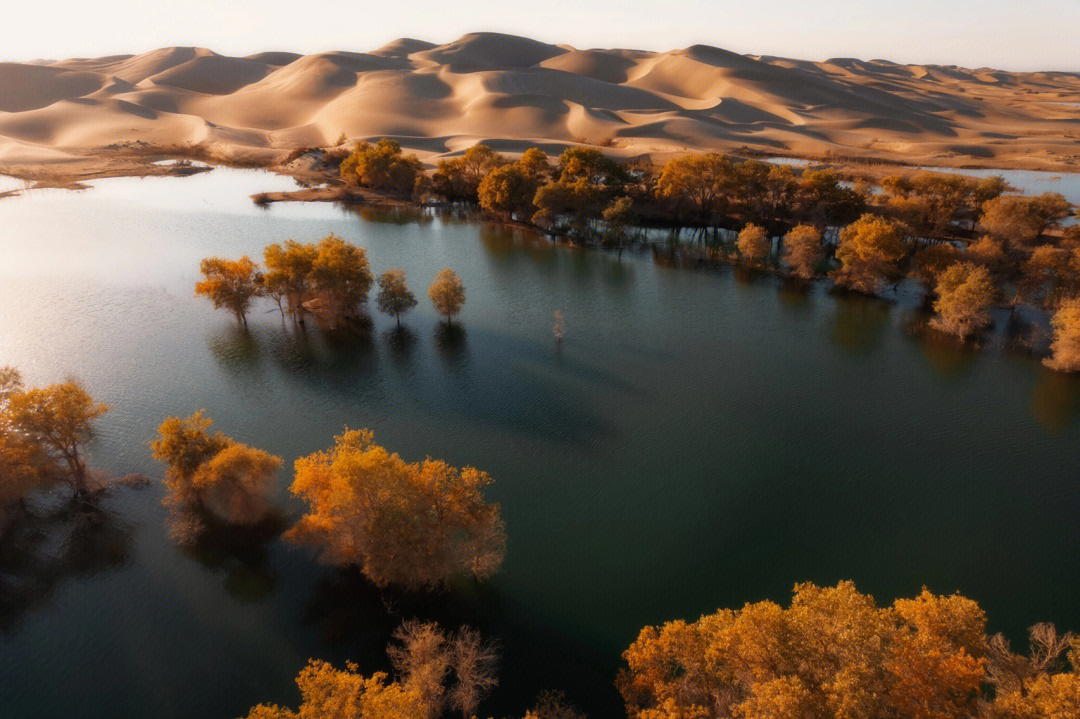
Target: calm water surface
697,440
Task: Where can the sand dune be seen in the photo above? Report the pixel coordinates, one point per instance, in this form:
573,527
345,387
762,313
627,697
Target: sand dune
514,92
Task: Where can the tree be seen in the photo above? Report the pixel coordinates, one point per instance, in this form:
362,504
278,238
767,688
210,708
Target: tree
617,216
59,420
382,166
459,178
447,293
698,183
965,292
510,189
753,244
822,200
553,705
288,274
24,465
1023,220
451,671
394,298
340,278
803,250
869,251
231,284
412,525
214,473
328,693
1065,349
929,262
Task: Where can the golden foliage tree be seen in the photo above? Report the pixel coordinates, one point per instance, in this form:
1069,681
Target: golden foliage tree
382,166
57,420
833,654
965,293
447,293
24,464
230,284
329,693
412,525
803,250
929,262
212,472
753,244
509,190
394,298
1065,348
459,178
869,251
1023,220
288,274
340,278
698,183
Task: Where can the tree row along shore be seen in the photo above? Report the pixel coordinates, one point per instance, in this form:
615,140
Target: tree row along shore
832,652
969,244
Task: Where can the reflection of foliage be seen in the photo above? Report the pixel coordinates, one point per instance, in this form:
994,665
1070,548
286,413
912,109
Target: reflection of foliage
1054,399
240,552
859,323
451,342
41,551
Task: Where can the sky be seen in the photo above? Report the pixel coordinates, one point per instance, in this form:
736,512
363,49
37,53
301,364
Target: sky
1006,34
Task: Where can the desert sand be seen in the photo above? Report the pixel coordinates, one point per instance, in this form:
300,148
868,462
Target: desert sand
80,118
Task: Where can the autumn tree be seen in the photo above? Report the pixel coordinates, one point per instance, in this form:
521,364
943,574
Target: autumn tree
965,293
214,473
448,671
831,654
753,244
1023,220
288,274
697,183
394,298
412,525
1036,686
822,200
56,420
382,166
617,216
552,704
230,284
24,465
930,261
459,178
447,293
340,278
1065,348
803,250
326,692
869,251
510,189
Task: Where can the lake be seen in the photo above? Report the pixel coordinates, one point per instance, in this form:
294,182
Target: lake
699,439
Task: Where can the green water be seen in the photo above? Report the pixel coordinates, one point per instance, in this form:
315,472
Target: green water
698,439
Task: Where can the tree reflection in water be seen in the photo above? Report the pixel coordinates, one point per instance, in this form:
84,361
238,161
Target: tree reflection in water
44,546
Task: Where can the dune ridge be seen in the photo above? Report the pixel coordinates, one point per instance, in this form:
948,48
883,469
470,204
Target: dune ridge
513,92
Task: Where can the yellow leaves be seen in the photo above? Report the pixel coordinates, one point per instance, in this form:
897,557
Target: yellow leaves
344,694
215,473
803,250
753,243
406,524
965,292
447,293
1065,349
394,298
833,653
869,250
231,284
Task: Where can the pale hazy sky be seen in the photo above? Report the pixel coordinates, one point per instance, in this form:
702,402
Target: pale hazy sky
1026,35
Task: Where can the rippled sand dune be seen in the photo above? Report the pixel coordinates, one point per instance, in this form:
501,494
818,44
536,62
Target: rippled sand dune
512,92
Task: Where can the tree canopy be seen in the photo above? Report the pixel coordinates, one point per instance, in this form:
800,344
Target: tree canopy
447,293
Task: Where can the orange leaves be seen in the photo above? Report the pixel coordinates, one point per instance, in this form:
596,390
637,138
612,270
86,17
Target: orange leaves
407,524
447,293
230,284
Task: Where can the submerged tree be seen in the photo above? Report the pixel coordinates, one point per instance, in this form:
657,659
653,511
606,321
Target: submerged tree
869,251
965,293
929,262
697,183
753,244
230,284
394,298
459,178
24,464
412,525
57,420
1065,349
288,274
803,250
447,293
340,278
214,473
